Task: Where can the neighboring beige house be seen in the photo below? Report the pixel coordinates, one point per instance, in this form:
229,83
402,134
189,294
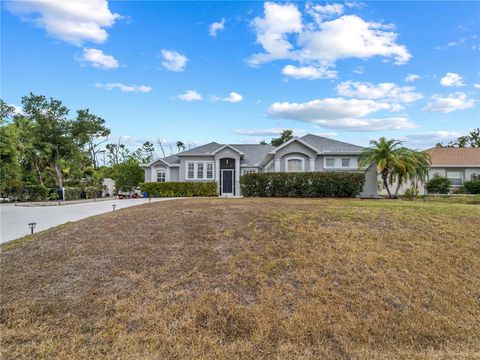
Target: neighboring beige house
457,164
225,163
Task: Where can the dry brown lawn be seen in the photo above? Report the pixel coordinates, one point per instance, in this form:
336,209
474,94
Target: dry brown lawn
248,279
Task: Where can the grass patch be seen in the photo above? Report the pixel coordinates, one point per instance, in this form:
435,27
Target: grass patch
249,278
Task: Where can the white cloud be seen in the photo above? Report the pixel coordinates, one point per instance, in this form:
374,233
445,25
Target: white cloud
476,86
216,27
340,113
97,58
74,21
431,138
173,60
272,30
323,44
451,79
322,12
326,134
308,72
266,132
233,97
358,70
412,77
385,91
190,95
17,110
450,103
124,88
460,41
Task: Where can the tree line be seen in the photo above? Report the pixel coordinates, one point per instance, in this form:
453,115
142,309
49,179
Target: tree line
44,145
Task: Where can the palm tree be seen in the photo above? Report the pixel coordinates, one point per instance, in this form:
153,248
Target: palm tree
411,166
386,154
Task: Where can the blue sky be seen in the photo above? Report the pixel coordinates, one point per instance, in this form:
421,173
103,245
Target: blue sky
239,72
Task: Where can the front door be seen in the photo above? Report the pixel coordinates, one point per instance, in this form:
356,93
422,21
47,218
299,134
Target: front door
227,182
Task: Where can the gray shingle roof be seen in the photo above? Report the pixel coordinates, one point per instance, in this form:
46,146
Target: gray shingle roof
207,149
329,145
253,153
172,159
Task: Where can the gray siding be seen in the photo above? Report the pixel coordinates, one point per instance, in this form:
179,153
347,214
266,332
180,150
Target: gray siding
148,174
174,172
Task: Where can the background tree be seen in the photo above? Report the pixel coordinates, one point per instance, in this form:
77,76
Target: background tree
472,139
90,132
180,146
53,131
284,137
127,175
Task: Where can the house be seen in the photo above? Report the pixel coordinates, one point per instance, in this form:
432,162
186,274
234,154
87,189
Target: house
456,164
225,163
108,187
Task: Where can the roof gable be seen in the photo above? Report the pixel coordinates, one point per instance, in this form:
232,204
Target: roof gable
295,139
328,145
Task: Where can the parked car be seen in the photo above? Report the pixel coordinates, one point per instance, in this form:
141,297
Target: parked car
132,194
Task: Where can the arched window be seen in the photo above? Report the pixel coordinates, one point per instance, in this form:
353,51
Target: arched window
294,164
161,175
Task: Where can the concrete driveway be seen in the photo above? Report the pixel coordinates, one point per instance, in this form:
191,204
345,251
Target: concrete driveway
14,219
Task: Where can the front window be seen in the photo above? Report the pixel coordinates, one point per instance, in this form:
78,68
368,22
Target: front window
191,170
330,162
456,177
199,170
161,176
294,165
346,163
209,170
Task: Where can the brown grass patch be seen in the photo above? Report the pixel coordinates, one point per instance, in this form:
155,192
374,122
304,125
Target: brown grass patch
249,279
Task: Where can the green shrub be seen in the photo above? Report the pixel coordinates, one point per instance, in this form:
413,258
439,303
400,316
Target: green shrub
472,186
33,193
438,185
309,184
179,189
72,193
91,192
411,193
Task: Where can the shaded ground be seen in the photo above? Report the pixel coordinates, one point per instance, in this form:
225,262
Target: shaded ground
248,278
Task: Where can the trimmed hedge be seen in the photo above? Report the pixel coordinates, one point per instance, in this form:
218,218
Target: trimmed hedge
472,186
179,189
308,184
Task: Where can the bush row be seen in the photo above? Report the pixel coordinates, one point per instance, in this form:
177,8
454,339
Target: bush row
179,189
40,192
309,184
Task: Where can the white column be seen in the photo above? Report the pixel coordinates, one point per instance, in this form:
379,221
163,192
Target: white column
167,174
217,174
311,166
277,165
237,177
153,174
